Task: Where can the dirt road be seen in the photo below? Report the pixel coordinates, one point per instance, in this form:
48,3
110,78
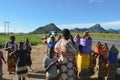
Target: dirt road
38,53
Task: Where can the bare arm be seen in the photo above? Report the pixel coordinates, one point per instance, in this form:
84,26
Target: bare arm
13,52
6,47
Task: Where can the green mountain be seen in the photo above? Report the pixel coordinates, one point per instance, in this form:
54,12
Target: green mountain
79,30
46,29
113,31
95,28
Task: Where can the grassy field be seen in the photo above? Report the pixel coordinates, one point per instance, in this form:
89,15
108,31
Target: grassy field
102,35
33,38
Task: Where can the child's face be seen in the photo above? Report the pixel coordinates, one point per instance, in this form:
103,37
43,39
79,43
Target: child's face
20,46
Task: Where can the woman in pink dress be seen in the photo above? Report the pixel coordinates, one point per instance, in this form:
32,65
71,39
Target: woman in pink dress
67,52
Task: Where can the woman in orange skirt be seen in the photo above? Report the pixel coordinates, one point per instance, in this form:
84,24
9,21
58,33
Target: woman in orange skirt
10,47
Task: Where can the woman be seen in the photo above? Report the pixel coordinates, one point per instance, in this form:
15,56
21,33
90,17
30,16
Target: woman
78,57
21,57
51,45
103,61
10,47
67,51
97,50
28,47
85,50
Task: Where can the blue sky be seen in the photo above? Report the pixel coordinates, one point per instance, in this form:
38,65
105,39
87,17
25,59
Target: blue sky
27,15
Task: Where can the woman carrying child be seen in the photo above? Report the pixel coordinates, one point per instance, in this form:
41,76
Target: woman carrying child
67,52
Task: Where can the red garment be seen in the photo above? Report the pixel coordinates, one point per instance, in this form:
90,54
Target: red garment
97,49
1,54
104,52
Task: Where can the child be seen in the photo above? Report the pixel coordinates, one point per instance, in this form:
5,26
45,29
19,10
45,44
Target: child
50,65
21,68
1,58
28,47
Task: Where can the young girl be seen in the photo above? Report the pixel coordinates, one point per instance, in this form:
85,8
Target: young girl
1,58
21,68
50,65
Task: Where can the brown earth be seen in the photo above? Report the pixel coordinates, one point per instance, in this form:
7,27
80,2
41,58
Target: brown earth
37,55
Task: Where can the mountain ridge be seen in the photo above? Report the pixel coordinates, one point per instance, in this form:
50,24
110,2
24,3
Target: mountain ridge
46,29
94,29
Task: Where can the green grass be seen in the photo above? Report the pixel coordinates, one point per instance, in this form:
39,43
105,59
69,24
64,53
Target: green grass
33,38
105,35
36,39
101,35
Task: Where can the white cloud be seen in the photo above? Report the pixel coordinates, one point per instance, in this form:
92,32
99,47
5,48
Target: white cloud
96,1
71,26
105,25
112,24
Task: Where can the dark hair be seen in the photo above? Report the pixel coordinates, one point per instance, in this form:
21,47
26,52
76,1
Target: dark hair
66,33
12,37
20,44
71,38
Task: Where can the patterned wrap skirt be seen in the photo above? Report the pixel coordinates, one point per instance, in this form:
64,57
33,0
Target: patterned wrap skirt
67,69
11,63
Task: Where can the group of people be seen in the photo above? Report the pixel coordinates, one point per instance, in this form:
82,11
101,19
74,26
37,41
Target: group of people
18,58
70,58
61,62
106,59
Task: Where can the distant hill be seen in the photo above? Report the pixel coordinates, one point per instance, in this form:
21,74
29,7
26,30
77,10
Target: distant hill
79,30
46,29
96,28
112,31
